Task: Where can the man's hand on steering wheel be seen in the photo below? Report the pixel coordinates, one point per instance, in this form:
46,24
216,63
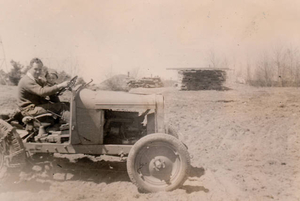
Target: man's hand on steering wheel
66,85
63,84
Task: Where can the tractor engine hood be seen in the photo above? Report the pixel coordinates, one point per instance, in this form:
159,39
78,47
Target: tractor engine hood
116,100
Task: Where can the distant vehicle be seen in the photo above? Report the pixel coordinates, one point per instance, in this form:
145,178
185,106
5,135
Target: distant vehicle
146,82
135,83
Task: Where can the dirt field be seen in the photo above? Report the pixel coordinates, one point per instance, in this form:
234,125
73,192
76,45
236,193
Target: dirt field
244,145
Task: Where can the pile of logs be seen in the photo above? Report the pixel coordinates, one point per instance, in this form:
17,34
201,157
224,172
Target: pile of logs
201,79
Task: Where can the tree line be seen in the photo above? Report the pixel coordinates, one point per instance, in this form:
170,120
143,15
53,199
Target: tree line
18,70
277,67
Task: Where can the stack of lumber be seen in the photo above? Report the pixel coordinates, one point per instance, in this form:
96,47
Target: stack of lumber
201,79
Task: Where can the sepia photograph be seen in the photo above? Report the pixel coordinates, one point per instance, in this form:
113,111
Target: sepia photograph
149,100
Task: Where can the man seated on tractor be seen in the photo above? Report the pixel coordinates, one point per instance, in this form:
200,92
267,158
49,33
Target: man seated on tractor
32,94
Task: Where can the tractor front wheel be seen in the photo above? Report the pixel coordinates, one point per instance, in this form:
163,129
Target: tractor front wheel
158,162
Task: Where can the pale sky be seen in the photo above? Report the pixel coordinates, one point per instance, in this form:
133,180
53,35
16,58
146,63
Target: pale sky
98,38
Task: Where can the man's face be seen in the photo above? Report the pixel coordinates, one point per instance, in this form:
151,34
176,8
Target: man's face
36,70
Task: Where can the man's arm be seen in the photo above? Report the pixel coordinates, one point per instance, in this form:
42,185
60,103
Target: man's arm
37,89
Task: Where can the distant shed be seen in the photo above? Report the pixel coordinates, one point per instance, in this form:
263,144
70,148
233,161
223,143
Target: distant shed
201,78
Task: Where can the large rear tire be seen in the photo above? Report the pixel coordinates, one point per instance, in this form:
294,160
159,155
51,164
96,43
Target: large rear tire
158,162
12,151
3,168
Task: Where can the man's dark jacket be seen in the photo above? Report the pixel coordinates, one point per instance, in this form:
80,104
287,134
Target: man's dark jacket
31,92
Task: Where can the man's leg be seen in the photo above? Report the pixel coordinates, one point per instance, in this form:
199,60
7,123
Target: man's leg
34,111
62,109
59,108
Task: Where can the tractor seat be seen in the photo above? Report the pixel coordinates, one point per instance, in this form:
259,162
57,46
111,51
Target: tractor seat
28,119
38,121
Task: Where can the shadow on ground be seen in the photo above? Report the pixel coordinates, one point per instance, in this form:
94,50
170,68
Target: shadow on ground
195,173
40,174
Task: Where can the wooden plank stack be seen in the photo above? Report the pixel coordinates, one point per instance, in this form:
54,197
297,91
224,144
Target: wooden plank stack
201,79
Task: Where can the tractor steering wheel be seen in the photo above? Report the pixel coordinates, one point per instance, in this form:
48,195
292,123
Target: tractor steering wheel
70,85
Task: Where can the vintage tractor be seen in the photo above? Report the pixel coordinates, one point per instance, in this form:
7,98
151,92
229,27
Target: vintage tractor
121,124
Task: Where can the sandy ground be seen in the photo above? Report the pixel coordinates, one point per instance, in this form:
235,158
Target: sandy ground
244,145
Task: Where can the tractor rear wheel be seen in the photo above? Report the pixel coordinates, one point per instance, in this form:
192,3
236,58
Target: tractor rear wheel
12,151
158,162
2,163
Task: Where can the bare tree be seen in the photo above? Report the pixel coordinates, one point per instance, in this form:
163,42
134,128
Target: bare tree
279,57
292,55
134,72
297,73
264,73
213,60
248,71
